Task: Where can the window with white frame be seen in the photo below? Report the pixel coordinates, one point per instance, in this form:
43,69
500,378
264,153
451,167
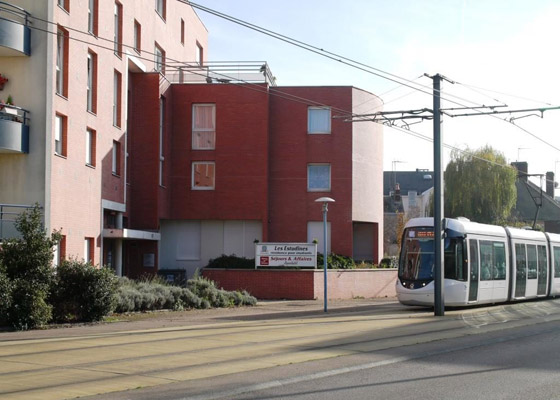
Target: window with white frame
117,85
203,175
92,16
160,8
61,57
91,88
60,125
90,147
204,126
117,37
319,120
318,177
159,59
116,158
88,250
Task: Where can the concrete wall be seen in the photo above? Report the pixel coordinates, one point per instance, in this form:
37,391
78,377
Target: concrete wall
307,284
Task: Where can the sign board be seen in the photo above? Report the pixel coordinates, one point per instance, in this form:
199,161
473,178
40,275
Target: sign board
291,255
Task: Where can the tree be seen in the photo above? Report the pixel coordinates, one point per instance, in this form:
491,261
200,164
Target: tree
25,264
479,186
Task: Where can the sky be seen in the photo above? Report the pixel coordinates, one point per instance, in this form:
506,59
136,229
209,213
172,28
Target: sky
496,52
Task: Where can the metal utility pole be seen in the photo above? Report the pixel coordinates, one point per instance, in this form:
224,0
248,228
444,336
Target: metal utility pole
439,304
391,117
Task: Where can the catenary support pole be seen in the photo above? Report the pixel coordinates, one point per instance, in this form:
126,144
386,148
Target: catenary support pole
439,305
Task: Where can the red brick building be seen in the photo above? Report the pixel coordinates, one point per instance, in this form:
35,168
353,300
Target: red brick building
216,166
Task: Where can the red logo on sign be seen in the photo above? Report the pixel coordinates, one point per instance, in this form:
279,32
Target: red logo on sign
264,261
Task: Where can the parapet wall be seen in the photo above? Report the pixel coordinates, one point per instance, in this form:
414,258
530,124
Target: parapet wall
306,284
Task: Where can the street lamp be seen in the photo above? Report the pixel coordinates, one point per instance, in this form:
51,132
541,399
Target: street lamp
325,201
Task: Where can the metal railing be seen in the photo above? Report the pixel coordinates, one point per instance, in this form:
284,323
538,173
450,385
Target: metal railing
220,72
8,216
14,113
14,13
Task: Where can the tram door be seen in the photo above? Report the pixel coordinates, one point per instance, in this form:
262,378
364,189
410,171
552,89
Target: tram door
474,267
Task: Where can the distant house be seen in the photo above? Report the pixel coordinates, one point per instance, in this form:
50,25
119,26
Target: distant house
534,203
406,194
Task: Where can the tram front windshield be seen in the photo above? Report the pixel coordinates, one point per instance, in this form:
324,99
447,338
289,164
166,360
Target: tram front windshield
418,258
417,255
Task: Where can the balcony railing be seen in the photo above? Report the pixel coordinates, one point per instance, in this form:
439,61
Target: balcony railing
15,34
14,129
220,72
8,216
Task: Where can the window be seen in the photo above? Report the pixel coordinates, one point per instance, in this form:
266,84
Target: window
118,30
520,269
531,262
199,54
203,175
161,8
159,61
65,4
318,120
88,250
318,177
60,252
455,262
492,261
60,134
117,87
116,158
91,82
62,62
542,270
204,127
182,31
90,147
137,36
161,142
556,257
92,16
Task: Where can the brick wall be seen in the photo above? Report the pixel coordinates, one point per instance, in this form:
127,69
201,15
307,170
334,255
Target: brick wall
306,284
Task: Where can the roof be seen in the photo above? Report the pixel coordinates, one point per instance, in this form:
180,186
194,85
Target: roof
525,205
409,181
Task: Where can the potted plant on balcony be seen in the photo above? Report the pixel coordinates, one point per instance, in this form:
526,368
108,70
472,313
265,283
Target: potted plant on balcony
3,81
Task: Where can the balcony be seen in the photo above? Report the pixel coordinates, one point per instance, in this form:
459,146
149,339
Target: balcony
14,129
15,34
220,72
8,216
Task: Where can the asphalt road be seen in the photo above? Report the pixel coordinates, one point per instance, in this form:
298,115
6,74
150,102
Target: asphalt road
521,363
360,349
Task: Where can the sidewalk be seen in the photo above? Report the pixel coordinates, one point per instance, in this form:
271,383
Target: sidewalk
265,309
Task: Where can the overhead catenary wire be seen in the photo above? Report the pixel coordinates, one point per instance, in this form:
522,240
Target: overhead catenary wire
347,61
272,91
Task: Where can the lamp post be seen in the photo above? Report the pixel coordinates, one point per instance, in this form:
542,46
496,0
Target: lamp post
325,201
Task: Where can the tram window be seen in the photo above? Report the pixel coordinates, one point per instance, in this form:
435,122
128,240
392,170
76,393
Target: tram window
499,261
417,255
492,261
455,263
542,260
531,262
520,261
485,261
557,262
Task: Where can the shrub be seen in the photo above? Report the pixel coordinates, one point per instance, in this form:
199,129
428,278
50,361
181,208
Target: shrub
29,308
208,292
335,261
6,287
231,261
83,292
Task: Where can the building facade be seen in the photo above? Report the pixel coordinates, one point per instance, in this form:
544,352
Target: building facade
148,157
68,64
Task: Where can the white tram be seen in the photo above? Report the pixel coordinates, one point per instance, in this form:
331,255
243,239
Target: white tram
482,263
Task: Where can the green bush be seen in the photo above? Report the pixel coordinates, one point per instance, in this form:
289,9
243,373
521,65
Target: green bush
232,262
6,287
83,292
207,290
29,308
335,261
